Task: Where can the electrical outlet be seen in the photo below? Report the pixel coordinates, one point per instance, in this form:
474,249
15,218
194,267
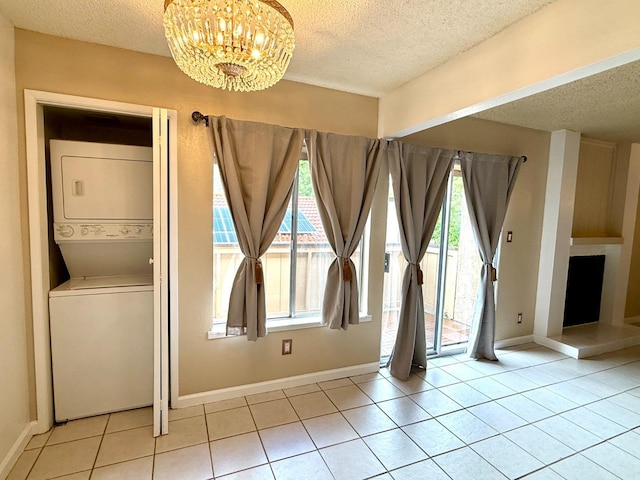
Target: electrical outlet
520,318
287,346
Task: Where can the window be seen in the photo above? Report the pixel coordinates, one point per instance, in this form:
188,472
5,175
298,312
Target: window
451,268
295,265
226,255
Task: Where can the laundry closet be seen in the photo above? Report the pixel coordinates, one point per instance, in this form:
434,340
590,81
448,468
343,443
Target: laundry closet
99,169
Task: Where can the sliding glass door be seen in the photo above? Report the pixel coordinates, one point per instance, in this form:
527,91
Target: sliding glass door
451,268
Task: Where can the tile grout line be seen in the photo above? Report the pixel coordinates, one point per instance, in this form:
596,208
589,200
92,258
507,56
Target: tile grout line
106,424
209,447
617,392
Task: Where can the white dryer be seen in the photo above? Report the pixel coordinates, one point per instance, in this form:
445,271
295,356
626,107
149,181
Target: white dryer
102,318
103,209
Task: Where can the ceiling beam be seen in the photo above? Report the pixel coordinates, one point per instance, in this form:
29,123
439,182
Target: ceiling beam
565,41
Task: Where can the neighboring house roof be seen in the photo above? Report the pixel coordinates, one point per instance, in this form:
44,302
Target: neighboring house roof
310,228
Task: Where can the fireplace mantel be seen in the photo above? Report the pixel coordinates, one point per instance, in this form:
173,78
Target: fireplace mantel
597,241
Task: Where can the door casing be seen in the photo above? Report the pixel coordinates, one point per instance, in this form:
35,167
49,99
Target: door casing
165,242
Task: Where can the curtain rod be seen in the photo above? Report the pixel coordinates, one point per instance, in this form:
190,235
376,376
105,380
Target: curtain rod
457,157
198,117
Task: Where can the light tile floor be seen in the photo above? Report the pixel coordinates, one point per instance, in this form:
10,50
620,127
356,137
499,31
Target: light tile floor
535,414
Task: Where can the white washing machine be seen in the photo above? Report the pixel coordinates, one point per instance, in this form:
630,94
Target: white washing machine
102,318
101,349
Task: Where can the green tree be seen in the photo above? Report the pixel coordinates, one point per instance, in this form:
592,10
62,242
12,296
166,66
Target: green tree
457,193
305,189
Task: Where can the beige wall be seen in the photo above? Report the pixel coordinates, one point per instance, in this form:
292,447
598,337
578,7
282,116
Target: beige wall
78,68
65,66
633,293
518,269
595,186
14,399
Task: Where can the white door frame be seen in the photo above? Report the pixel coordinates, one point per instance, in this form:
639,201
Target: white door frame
34,101
160,272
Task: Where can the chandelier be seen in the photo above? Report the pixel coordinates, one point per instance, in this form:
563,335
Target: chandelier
240,45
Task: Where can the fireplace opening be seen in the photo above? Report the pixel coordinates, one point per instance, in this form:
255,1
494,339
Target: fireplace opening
584,290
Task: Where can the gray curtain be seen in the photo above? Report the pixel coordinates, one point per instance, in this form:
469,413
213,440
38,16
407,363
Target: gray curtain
344,172
419,176
488,183
257,164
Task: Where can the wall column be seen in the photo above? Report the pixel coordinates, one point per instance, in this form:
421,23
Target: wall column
556,233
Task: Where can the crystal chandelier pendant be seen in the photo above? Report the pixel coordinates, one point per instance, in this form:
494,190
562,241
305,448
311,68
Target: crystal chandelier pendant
239,45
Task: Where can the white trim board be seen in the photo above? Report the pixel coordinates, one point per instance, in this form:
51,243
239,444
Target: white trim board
270,385
173,257
519,93
512,342
9,461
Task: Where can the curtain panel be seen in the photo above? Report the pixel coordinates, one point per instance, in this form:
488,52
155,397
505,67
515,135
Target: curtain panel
257,165
344,172
419,177
488,184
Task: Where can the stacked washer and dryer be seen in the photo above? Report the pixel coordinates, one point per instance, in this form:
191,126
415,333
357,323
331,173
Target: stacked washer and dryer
101,319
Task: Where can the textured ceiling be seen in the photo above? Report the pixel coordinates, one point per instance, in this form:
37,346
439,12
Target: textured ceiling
371,47
604,106
359,46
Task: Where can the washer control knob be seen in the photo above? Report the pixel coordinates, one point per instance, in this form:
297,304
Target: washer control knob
65,230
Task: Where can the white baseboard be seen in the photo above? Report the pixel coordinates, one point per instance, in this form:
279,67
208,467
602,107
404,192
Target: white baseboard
16,450
632,319
278,384
510,342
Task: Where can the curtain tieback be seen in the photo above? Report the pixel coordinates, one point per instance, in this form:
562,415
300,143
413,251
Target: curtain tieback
420,275
346,269
494,272
258,270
